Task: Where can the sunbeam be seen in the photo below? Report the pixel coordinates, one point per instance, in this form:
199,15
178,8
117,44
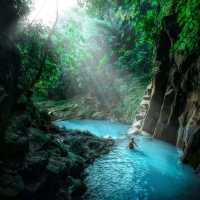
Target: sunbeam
45,10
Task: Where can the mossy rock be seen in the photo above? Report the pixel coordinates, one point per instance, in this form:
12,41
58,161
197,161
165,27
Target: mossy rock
10,186
58,165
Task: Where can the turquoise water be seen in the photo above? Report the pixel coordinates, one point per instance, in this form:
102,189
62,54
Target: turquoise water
97,127
152,171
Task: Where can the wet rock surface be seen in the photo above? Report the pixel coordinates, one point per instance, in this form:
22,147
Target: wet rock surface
173,111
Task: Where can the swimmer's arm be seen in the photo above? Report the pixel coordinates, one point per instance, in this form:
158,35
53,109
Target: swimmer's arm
135,144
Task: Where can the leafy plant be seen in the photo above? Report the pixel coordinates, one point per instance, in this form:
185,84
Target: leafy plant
30,44
188,19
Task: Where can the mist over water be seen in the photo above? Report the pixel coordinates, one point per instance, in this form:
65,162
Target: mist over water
91,60
153,171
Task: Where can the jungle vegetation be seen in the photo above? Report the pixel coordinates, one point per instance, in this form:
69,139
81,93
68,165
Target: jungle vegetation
100,55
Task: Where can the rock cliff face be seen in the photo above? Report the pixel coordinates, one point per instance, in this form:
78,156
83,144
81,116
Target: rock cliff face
173,113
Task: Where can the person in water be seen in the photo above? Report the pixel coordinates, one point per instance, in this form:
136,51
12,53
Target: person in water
132,143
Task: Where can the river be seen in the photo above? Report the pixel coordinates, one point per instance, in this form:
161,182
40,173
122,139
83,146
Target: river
152,171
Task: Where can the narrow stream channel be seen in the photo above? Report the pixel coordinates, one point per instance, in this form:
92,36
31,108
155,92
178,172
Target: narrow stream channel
152,171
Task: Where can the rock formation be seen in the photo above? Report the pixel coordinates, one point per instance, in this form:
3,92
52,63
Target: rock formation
173,111
39,161
141,112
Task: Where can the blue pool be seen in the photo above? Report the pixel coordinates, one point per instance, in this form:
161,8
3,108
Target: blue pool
152,171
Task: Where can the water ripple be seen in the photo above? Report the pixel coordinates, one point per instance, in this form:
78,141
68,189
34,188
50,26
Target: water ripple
152,171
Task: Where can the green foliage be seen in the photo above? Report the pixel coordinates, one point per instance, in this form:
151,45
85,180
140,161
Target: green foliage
87,53
188,19
97,8
30,44
91,52
132,91
131,26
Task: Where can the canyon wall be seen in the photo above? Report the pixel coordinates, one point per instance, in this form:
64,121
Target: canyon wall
173,113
